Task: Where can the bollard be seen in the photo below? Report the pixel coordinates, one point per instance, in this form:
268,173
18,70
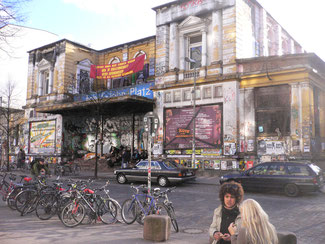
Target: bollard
156,228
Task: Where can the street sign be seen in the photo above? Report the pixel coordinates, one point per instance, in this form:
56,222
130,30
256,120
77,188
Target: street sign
152,119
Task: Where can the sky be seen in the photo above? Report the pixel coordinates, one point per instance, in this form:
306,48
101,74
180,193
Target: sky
106,23
102,24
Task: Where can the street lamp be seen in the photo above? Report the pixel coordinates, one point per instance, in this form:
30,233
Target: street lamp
192,61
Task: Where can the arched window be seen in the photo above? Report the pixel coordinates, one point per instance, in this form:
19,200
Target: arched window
139,53
114,60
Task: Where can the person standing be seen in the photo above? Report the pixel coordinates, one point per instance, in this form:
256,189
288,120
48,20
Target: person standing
21,158
255,228
231,194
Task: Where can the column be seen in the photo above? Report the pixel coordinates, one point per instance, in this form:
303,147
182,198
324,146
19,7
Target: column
279,40
216,36
40,84
296,118
51,80
264,36
173,47
204,48
182,52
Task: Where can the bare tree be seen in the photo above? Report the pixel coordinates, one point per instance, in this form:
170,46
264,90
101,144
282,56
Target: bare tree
10,14
9,116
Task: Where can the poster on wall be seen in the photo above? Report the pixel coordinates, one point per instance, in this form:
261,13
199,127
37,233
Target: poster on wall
230,148
179,127
42,136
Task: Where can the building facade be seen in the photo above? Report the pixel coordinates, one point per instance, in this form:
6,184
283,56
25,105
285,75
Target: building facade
258,96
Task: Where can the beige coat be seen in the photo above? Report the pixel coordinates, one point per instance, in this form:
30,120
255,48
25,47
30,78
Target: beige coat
216,223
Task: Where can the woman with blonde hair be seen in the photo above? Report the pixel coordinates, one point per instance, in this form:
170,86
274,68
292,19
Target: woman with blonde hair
255,226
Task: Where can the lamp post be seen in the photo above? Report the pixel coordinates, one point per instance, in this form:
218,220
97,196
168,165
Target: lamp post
189,60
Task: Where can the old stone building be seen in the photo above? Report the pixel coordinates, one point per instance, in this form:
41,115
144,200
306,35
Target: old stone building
64,104
258,96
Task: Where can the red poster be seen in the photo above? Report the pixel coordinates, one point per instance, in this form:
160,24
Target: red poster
111,71
179,127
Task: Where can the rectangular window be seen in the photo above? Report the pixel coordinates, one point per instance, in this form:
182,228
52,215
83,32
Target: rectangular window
177,96
217,91
197,94
187,95
273,110
168,97
84,77
195,50
45,82
207,92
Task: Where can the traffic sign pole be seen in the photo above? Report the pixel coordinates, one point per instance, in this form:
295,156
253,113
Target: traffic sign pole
151,124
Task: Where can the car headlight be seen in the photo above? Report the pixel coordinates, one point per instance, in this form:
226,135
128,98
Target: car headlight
114,172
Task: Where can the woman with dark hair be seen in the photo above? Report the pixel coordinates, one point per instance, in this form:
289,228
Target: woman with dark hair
231,195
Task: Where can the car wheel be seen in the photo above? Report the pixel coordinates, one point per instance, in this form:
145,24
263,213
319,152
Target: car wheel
291,190
162,181
121,179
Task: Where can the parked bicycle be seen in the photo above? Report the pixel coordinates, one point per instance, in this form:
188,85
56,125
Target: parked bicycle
87,202
51,203
139,206
166,206
27,199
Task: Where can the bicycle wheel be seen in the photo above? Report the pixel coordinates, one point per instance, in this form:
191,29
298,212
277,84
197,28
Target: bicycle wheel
162,209
30,204
128,211
72,214
11,198
140,214
23,198
46,206
4,191
107,211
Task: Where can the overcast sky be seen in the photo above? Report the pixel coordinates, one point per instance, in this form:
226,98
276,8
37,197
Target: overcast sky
105,23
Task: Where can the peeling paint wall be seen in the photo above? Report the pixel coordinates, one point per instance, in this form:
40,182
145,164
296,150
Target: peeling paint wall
230,106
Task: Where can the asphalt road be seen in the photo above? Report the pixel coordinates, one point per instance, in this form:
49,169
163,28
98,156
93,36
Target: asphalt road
194,205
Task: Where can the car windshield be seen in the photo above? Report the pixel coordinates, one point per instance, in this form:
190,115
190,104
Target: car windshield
171,164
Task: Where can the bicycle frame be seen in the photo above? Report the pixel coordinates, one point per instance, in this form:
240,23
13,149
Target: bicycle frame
138,201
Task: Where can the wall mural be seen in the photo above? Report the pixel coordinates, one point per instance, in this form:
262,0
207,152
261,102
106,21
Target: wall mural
79,133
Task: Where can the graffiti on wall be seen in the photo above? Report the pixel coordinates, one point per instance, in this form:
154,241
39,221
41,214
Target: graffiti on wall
79,133
42,136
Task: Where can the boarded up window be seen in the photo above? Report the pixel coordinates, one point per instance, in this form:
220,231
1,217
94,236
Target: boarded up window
273,110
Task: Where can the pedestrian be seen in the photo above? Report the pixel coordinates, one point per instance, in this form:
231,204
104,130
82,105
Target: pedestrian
126,156
231,194
21,158
255,227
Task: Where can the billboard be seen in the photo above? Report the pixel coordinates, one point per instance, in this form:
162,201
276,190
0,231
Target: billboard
178,126
42,136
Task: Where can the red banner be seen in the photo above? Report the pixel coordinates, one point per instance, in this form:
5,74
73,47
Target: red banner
111,71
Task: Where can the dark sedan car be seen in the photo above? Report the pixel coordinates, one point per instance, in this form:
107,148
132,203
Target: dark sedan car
291,177
162,171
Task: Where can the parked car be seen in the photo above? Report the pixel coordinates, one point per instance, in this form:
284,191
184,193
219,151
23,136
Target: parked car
291,177
163,172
